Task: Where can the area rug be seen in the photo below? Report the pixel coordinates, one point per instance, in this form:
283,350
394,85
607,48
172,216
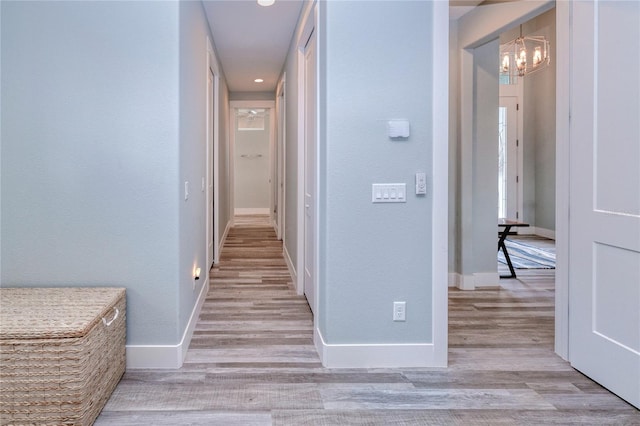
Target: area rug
528,256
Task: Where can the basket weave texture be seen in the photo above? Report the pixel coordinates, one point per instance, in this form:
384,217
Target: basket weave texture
62,353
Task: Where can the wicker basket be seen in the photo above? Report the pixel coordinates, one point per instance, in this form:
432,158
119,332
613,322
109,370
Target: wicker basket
62,353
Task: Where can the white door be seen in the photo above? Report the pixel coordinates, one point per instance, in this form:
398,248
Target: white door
508,158
604,227
210,160
310,169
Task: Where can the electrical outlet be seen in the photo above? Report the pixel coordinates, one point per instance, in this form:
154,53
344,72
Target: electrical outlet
399,311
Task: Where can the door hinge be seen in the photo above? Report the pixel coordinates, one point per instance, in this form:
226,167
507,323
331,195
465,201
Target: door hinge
517,142
517,215
517,179
517,107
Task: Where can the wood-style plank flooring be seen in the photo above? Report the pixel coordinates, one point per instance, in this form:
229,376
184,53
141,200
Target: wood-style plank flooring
252,361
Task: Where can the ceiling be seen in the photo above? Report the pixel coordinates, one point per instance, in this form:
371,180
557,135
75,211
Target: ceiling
252,41
457,8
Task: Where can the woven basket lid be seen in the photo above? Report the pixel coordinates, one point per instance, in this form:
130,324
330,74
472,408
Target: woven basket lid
44,313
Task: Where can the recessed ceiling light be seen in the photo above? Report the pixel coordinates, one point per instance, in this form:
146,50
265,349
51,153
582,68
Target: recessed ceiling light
266,2
258,80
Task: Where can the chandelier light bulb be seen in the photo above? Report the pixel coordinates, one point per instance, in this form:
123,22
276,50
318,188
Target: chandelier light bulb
505,63
537,57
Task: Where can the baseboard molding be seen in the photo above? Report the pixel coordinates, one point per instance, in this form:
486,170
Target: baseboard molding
536,230
546,233
167,356
224,236
375,355
470,282
248,211
292,269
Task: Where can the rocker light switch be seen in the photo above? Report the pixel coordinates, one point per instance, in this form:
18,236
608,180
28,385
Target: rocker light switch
389,193
421,183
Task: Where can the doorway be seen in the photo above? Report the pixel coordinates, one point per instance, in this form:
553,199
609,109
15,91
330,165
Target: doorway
211,181
252,172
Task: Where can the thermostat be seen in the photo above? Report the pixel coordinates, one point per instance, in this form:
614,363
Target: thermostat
398,128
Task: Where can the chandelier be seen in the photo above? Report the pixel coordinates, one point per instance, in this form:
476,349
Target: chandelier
524,55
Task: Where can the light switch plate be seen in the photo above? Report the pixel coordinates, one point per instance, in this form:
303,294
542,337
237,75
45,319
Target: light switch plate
389,193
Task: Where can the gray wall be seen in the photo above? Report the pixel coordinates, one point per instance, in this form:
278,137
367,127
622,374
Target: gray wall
96,141
485,157
364,81
540,131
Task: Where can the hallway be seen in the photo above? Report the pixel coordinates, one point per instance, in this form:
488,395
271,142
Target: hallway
252,361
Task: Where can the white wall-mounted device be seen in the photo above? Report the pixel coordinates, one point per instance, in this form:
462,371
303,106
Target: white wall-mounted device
421,183
398,128
388,193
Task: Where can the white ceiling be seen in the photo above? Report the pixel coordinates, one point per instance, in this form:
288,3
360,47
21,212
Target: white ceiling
252,41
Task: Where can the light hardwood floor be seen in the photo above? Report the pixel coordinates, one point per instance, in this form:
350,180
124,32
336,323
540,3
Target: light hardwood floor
252,361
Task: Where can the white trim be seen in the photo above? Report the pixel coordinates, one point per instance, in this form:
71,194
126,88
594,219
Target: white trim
281,173
536,230
224,235
563,96
290,266
546,233
435,354
233,105
212,64
472,281
239,211
466,282
401,355
305,25
167,356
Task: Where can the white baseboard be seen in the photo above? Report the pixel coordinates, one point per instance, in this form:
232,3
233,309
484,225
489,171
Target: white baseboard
167,356
224,236
292,269
536,230
470,282
247,211
547,233
375,355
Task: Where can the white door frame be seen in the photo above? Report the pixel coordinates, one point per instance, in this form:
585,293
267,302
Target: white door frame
281,144
233,106
213,156
309,24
